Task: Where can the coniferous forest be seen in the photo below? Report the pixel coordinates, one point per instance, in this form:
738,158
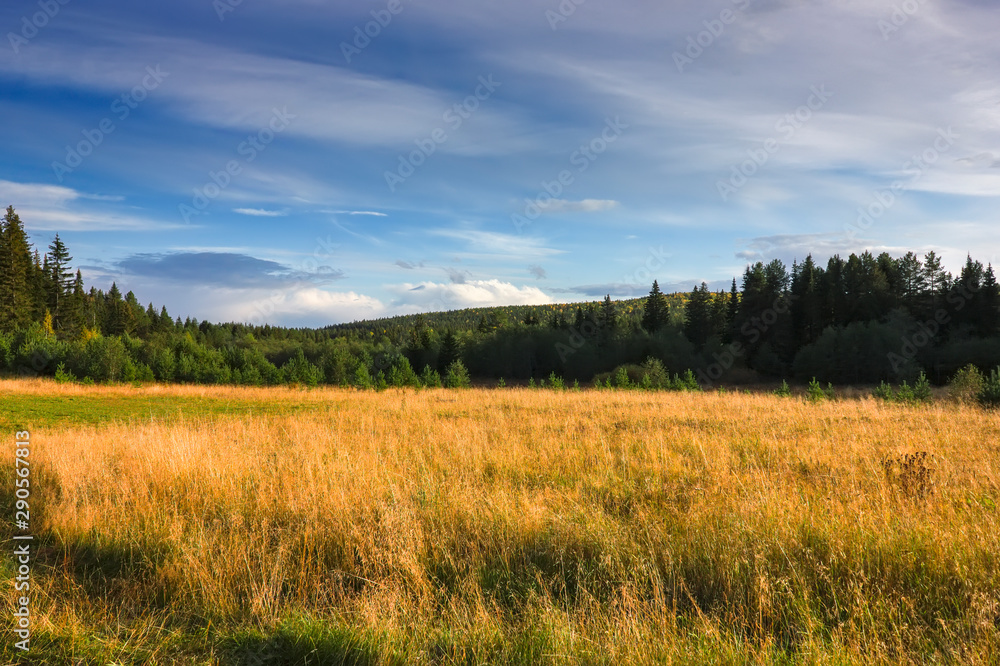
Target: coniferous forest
858,320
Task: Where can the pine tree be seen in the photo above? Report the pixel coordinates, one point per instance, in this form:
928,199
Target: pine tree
609,315
450,351
74,309
60,283
732,312
990,308
656,311
698,316
16,302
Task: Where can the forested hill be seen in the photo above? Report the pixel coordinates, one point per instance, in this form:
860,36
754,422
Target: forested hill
856,320
556,315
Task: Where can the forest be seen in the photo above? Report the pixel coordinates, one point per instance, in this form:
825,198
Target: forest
861,320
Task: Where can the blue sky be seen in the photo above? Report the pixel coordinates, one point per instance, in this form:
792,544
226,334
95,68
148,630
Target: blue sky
270,161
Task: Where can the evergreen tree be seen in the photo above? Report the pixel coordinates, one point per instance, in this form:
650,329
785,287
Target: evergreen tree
656,311
989,324
732,312
60,284
911,279
73,309
609,315
807,305
698,316
450,351
16,302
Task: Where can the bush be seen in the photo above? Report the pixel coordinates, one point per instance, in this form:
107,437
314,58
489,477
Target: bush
457,376
430,377
815,392
362,378
989,395
783,391
556,382
622,380
884,392
919,392
922,389
654,375
62,376
966,385
689,382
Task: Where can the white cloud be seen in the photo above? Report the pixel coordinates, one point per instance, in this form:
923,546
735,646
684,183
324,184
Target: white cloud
355,212
45,207
585,206
436,296
491,243
260,212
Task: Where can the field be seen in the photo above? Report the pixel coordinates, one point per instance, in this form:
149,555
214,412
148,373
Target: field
277,526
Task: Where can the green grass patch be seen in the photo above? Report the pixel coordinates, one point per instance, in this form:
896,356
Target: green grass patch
31,411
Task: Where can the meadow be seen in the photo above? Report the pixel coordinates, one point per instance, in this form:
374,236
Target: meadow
238,526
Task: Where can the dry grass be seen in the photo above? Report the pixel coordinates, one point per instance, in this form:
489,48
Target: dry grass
518,526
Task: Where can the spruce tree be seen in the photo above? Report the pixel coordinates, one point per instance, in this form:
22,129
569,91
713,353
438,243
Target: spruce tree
60,282
698,316
609,316
655,313
16,302
74,309
450,351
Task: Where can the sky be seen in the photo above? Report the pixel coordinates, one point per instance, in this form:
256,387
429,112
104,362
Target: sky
305,163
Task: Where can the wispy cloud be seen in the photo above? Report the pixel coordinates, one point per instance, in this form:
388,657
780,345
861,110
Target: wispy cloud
260,212
44,207
584,206
356,212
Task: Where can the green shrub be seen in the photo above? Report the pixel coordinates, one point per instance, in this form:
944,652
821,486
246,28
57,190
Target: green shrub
457,376
783,391
884,392
502,383
922,389
556,382
621,378
654,375
989,394
815,392
62,376
689,382
430,377
362,378
298,370
966,385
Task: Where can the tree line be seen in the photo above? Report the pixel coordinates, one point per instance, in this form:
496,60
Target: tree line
860,320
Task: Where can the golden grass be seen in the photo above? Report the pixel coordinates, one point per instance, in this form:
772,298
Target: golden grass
520,526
